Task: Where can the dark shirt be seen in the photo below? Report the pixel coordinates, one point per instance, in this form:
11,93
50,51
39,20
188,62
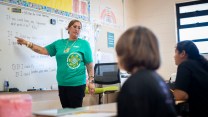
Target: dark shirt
145,94
192,78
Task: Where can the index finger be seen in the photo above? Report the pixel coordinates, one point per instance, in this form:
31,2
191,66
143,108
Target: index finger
17,38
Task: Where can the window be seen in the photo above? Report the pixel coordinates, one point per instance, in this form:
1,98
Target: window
192,23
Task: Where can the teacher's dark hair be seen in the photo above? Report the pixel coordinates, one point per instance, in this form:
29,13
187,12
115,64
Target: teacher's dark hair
192,51
138,47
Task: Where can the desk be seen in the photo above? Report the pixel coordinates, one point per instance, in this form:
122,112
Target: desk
179,101
103,110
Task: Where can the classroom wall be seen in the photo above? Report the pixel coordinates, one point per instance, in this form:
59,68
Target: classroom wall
130,13
160,17
116,6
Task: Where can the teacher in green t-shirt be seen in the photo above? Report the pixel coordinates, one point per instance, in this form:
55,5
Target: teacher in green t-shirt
73,57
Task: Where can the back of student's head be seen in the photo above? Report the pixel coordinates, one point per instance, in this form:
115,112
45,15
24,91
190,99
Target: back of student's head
138,47
192,51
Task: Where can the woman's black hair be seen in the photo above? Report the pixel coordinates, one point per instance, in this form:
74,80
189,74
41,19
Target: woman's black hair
192,51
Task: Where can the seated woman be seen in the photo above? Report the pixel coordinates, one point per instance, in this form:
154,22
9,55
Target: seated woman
144,94
192,78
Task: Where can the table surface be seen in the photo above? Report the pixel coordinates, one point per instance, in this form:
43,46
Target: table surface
103,110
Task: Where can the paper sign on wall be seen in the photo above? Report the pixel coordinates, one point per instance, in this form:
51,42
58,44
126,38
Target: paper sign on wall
110,37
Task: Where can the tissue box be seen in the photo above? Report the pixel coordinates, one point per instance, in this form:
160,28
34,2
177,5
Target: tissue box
15,105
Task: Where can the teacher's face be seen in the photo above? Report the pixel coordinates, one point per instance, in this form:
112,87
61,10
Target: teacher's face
74,30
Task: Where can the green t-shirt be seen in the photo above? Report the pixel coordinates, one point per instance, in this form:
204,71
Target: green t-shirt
71,58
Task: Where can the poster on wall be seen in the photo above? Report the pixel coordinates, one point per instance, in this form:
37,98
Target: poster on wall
109,14
78,9
110,37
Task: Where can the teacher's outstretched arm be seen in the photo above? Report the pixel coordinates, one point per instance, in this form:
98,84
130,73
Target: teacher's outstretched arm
36,48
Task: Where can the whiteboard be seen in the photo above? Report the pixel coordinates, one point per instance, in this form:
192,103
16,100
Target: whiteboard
23,68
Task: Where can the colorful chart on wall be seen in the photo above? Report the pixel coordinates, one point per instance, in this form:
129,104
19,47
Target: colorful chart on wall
79,9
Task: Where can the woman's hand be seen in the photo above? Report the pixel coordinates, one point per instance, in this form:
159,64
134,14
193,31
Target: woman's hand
36,48
91,88
21,41
180,94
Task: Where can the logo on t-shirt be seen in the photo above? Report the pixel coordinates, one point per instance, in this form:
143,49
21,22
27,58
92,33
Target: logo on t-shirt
73,60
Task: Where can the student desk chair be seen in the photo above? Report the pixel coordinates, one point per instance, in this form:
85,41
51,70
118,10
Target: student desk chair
106,74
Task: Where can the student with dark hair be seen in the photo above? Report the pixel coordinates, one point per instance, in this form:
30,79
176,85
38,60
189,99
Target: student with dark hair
192,78
144,94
